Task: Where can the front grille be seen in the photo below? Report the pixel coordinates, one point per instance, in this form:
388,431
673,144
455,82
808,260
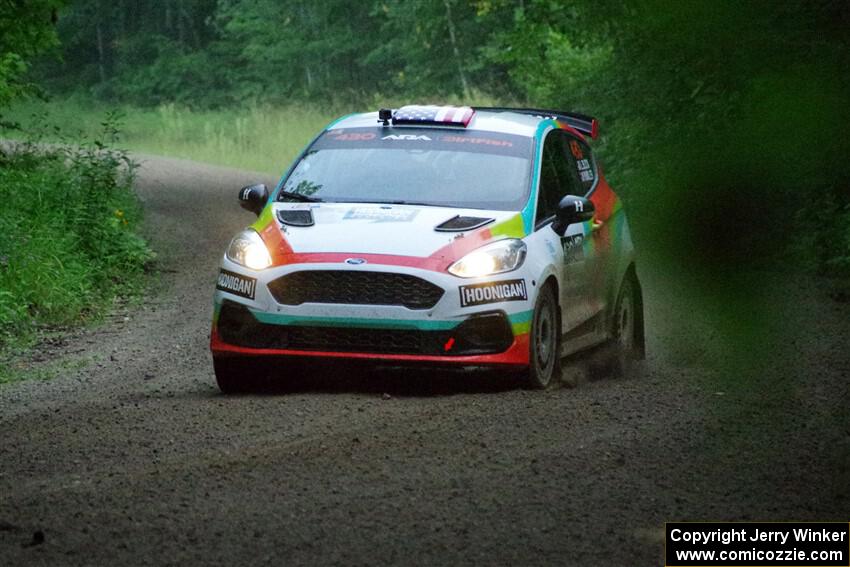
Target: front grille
342,339
355,288
482,334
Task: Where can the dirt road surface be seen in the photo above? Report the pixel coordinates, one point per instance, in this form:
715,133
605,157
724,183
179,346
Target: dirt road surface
136,459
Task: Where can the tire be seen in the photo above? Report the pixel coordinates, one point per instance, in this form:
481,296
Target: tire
235,375
544,342
627,326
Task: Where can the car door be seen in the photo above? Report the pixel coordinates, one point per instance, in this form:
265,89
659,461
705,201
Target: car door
558,177
597,237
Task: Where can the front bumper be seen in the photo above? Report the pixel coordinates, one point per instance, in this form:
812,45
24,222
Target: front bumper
491,333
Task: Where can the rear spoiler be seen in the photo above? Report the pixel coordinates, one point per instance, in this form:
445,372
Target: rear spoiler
587,125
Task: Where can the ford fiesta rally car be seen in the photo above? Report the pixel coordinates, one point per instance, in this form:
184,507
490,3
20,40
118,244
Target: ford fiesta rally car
453,236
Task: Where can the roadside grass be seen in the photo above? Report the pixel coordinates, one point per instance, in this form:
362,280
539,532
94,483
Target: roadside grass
70,239
254,137
257,138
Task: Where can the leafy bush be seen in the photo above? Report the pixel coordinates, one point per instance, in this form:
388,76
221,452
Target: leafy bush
25,31
69,241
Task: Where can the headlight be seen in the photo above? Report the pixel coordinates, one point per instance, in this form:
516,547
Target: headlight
495,258
249,250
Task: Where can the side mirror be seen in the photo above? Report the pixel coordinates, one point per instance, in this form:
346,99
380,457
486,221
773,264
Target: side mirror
253,198
571,210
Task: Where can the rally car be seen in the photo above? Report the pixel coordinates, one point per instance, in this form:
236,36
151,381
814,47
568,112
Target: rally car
433,235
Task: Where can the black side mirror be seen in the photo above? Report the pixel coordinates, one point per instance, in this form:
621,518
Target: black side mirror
571,210
253,198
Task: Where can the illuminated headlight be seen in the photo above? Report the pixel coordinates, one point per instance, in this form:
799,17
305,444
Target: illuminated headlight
249,250
495,258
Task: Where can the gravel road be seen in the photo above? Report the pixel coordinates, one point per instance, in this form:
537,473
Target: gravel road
136,459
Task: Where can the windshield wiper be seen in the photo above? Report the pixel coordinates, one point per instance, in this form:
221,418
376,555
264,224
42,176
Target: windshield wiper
298,197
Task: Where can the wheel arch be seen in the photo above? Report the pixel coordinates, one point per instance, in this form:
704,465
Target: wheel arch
551,279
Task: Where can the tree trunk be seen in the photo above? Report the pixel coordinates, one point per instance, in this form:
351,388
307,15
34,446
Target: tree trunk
196,38
453,39
180,21
101,66
168,24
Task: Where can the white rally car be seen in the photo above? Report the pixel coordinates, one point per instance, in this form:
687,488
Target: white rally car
452,236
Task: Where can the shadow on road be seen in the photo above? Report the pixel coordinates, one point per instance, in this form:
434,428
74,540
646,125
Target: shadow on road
294,376
328,377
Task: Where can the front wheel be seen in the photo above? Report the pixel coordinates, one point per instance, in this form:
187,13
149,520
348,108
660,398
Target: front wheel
544,351
236,374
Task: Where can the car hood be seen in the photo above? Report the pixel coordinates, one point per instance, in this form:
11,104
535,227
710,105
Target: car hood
397,230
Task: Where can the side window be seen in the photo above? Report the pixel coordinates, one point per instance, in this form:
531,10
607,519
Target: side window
585,166
558,175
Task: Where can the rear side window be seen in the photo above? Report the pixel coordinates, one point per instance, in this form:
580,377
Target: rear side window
583,164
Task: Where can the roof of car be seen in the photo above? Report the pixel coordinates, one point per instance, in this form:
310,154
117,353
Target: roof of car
504,121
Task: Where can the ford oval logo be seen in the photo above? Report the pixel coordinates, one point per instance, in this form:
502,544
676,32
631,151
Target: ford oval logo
355,261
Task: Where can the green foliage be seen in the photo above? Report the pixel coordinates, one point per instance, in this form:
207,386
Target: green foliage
174,74
69,239
212,54
26,29
722,122
293,48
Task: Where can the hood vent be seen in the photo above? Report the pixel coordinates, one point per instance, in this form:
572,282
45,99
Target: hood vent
459,223
296,217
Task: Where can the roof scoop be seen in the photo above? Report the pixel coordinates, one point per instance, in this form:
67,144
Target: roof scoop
296,217
460,223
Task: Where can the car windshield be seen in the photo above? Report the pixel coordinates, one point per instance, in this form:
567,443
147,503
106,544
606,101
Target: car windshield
438,167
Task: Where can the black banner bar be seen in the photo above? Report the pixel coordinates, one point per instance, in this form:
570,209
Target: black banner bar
757,544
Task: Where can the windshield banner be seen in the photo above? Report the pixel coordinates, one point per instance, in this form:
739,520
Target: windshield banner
432,139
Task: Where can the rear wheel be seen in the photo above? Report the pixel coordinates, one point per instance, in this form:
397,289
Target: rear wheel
625,333
544,352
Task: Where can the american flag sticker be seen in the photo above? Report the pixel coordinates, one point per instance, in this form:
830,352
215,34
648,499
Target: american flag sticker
457,115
